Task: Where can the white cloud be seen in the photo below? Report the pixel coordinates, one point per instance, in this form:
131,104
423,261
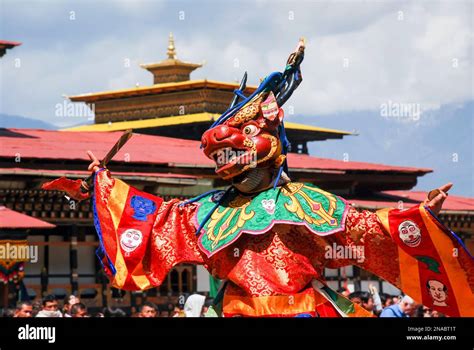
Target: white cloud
405,61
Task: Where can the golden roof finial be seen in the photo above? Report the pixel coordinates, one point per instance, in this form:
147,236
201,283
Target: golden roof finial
171,49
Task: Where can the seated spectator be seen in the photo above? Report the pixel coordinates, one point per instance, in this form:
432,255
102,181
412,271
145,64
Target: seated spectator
148,310
363,299
426,311
23,309
194,304
69,301
79,310
355,297
178,312
367,301
435,313
37,305
49,307
403,309
170,308
7,312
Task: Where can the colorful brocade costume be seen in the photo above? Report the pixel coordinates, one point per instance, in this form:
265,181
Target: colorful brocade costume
272,248
267,237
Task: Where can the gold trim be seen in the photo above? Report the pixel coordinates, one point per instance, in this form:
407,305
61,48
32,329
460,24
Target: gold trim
238,207
292,189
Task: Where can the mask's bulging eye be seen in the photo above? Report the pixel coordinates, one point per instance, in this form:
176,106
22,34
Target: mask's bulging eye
250,130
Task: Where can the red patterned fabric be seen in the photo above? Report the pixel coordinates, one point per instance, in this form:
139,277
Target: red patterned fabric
71,187
282,262
163,232
364,229
173,240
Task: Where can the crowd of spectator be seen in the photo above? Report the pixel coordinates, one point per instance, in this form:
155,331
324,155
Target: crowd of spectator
385,305
196,306
380,305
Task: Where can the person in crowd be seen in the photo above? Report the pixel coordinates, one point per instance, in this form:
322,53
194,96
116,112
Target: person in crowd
69,301
363,299
170,308
367,301
193,305
23,309
205,308
426,311
49,307
355,297
178,312
37,306
418,311
114,312
386,300
404,308
7,312
78,310
378,306
435,313
148,310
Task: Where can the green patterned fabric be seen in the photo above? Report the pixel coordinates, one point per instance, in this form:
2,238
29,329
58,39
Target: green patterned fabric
294,203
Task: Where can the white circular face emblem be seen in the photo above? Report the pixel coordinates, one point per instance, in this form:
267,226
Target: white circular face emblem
130,240
409,233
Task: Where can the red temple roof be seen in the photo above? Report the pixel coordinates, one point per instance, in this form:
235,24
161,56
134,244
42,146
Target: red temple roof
83,173
63,145
15,220
410,198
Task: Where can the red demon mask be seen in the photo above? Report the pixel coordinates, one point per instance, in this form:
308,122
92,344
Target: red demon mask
247,140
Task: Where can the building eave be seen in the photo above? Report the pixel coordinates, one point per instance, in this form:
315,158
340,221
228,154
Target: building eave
157,89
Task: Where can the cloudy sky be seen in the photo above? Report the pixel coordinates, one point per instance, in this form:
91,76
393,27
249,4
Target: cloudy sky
399,73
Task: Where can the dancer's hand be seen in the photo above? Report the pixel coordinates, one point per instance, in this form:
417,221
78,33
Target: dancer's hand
94,165
437,197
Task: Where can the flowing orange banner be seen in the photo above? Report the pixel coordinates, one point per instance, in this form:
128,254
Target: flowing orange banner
435,267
